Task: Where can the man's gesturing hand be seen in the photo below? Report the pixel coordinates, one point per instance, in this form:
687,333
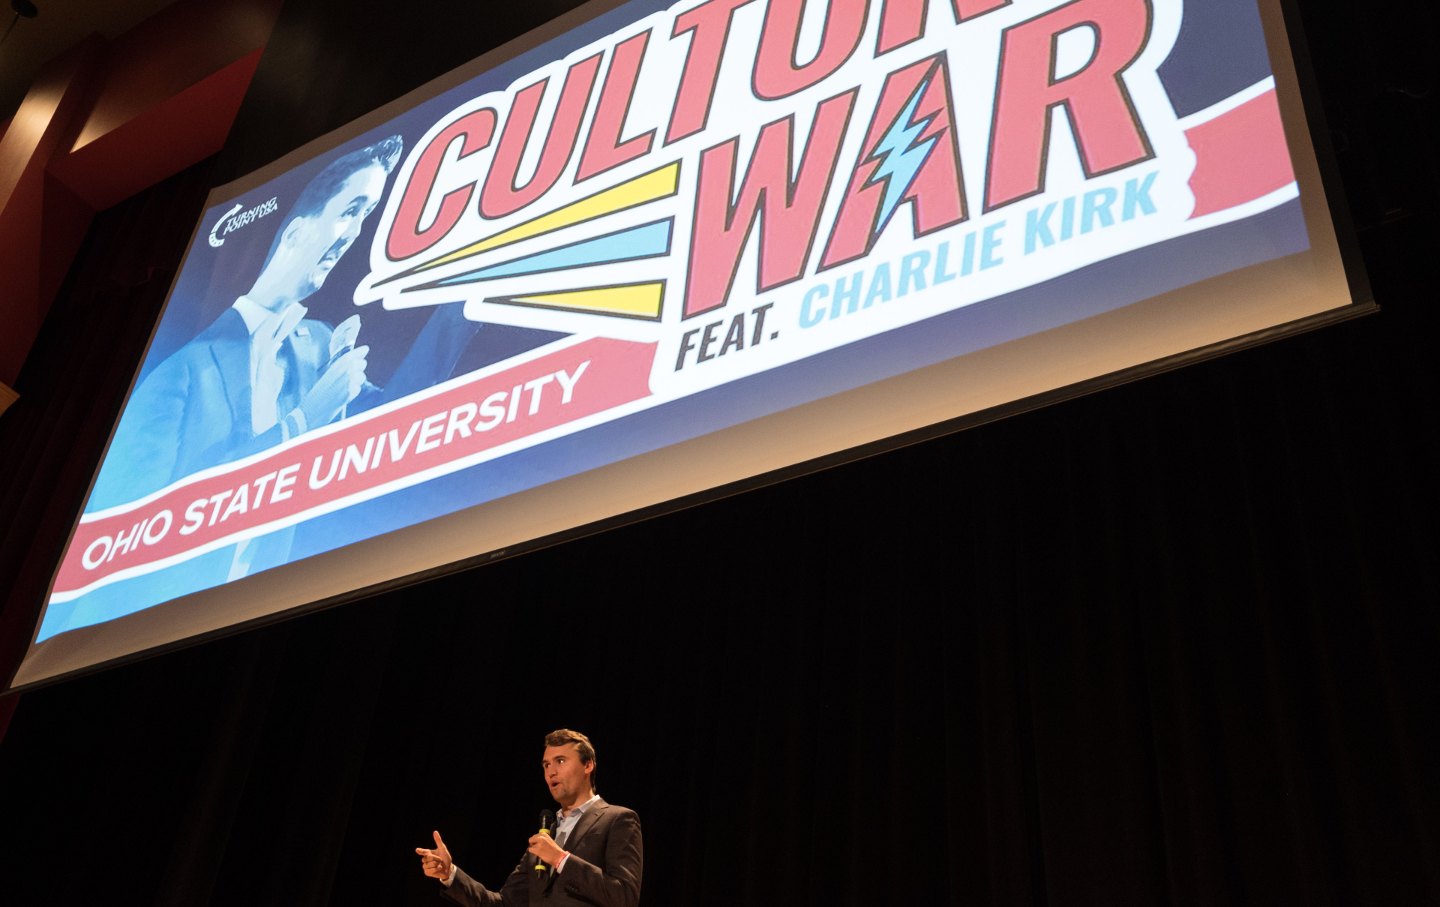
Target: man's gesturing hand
436,862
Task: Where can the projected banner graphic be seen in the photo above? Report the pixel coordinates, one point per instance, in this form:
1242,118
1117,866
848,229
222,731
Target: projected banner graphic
665,222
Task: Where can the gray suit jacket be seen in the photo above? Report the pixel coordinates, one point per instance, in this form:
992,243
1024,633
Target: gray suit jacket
193,410
604,868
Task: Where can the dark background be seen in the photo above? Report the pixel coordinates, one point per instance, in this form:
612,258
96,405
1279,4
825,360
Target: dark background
1171,643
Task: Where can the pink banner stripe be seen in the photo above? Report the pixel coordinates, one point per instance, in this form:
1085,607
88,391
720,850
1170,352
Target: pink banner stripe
373,451
1240,155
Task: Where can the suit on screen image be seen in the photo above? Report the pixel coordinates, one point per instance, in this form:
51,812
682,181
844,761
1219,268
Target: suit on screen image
262,372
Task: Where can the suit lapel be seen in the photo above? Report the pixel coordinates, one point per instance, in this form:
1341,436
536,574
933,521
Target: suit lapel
299,373
231,351
587,821
305,345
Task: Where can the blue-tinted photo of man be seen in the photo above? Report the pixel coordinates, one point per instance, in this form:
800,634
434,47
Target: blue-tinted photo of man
262,372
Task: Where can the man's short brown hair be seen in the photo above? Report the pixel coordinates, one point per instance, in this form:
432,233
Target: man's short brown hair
583,746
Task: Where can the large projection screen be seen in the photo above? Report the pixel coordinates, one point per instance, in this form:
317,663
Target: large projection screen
652,253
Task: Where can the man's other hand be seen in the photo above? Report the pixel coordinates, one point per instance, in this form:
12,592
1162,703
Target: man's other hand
344,336
544,847
436,862
339,384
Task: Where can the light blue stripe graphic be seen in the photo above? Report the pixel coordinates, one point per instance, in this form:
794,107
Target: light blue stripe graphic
645,241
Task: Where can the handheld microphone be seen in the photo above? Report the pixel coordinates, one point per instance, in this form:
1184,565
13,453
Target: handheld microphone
547,825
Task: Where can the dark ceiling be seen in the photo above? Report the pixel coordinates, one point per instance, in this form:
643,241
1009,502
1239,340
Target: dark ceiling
58,26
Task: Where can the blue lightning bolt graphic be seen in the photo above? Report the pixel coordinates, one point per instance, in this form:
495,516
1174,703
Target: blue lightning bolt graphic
900,153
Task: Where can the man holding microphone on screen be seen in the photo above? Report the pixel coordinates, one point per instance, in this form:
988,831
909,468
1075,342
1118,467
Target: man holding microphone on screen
261,372
594,857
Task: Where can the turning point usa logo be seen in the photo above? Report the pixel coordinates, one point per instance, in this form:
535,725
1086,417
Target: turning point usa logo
235,218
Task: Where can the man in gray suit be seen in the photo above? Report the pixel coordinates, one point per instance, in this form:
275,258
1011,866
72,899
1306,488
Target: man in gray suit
594,858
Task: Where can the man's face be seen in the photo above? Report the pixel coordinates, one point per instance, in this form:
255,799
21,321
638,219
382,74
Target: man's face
322,238
566,776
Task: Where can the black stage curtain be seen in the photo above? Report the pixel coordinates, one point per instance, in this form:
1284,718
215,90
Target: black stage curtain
1169,644
73,383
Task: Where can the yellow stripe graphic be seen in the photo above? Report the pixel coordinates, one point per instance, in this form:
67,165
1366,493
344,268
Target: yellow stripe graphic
657,184
638,300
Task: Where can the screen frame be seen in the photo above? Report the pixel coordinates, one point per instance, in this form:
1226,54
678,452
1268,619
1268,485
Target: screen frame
728,462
